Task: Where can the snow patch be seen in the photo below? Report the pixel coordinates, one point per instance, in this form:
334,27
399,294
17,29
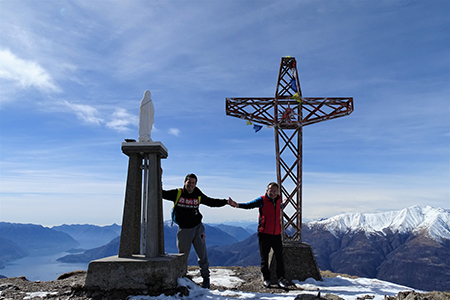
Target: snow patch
346,288
39,295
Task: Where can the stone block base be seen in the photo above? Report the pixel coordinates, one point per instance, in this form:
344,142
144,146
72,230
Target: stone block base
299,262
139,274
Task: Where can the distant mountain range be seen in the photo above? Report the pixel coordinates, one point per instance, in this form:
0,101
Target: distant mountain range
215,237
29,239
418,220
409,247
90,236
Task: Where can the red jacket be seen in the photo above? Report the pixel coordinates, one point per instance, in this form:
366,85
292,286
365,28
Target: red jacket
269,216
269,213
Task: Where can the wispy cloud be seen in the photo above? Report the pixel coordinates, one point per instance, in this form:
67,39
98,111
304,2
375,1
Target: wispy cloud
25,73
174,131
122,120
86,113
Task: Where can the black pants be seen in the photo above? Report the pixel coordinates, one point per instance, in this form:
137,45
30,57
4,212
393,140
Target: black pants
267,242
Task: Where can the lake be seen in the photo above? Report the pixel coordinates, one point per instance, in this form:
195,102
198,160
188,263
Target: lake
44,268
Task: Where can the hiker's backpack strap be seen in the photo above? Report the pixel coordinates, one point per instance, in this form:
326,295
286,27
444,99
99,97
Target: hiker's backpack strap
178,197
173,207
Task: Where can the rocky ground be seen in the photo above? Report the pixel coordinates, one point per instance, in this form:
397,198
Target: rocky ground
71,286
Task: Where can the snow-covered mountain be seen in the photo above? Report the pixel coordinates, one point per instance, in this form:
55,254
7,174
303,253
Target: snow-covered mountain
425,220
410,246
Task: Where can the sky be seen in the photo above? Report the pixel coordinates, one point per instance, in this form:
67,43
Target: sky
73,73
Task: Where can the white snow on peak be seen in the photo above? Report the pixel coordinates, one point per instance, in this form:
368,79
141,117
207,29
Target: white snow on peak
435,222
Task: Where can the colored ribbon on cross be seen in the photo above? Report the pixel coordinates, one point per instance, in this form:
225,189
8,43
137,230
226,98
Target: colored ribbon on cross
257,128
293,85
297,98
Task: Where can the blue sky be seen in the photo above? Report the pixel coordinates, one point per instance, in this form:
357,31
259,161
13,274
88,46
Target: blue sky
73,73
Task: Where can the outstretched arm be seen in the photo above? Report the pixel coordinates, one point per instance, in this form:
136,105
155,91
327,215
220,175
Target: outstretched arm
252,204
232,203
170,194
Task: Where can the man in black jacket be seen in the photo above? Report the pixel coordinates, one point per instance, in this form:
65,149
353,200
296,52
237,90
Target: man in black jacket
187,215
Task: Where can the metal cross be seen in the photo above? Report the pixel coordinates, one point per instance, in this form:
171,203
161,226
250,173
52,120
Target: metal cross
287,113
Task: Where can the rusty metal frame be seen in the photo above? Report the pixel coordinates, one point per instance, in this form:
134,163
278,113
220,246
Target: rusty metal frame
288,112
315,109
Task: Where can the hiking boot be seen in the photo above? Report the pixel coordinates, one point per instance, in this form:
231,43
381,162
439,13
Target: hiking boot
266,283
282,283
206,283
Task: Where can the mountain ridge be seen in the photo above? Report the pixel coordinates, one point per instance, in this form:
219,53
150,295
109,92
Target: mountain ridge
415,219
36,239
409,246
90,236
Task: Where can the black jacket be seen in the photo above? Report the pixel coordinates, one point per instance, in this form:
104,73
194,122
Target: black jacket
187,213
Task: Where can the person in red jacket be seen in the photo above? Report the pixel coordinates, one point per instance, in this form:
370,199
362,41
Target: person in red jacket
269,231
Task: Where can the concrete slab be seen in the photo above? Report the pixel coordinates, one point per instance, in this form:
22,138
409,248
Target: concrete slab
299,262
145,147
151,276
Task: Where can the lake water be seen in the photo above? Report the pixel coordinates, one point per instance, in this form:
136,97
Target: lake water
44,268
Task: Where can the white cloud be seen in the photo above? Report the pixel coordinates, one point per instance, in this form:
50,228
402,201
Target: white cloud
121,120
25,73
174,131
84,112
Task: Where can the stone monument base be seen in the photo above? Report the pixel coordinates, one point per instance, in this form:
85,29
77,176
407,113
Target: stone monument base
137,274
299,262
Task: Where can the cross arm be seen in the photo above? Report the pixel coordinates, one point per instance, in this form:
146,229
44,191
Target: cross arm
322,109
288,114
258,110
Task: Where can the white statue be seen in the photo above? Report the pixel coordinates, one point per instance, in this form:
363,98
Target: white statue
146,117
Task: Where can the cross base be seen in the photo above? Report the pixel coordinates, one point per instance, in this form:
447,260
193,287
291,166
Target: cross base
299,262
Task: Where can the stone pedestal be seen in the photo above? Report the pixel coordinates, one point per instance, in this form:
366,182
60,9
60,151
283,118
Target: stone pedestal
299,262
137,274
142,265
153,227
150,228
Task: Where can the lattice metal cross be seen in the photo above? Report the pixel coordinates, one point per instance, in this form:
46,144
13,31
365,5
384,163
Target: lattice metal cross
287,113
